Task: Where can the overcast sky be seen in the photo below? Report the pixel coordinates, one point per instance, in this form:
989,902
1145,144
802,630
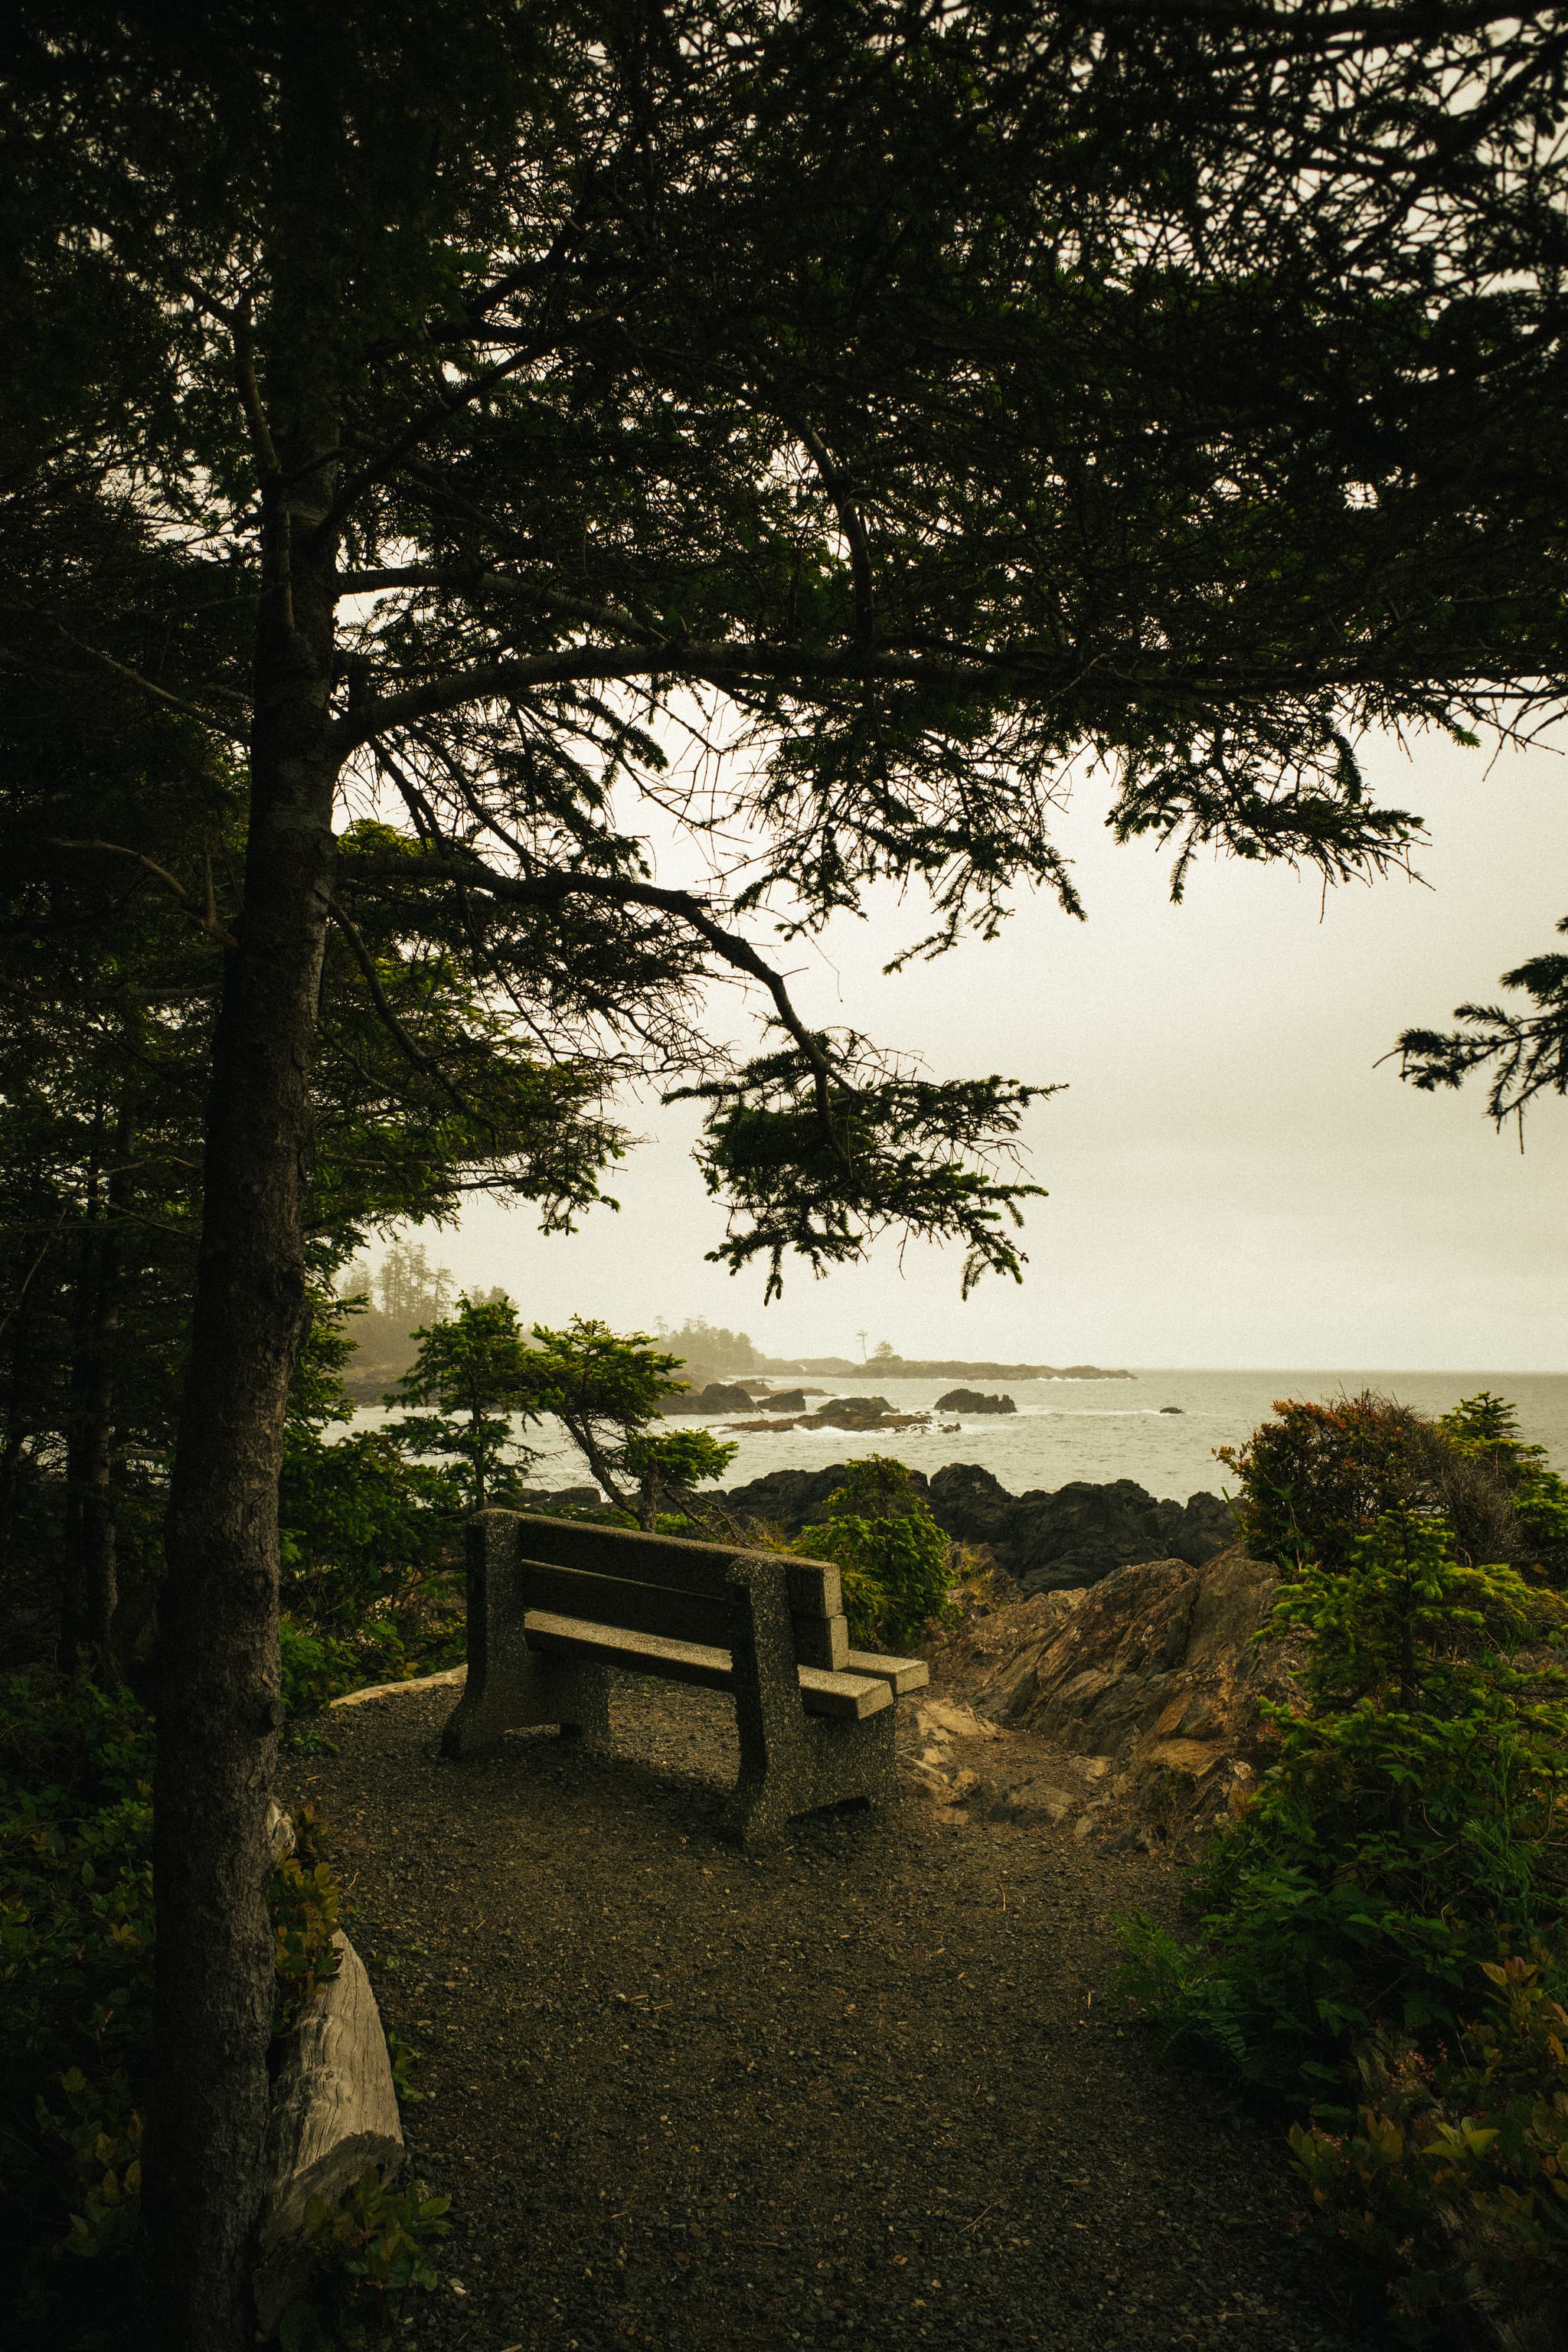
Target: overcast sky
1232,1182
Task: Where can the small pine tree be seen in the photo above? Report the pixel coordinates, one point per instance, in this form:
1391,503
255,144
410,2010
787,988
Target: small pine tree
474,1370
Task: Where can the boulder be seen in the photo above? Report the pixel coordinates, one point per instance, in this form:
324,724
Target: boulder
719,1396
783,1401
854,1413
1157,1669
973,1400
786,1499
1044,1542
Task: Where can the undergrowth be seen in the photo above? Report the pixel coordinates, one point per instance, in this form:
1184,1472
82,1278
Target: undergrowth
76,2013
1382,1942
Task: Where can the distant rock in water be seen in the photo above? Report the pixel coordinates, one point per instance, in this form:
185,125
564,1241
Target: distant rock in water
1172,1408
971,1401
1046,1542
855,1413
783,1401
719,1396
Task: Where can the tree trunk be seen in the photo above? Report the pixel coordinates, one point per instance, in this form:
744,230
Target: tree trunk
92,1580
218,1671
73,1589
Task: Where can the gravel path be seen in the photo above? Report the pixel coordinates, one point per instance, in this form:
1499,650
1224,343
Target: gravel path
864,2088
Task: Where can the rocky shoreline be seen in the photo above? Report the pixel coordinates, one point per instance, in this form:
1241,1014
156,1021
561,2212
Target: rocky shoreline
1045,1541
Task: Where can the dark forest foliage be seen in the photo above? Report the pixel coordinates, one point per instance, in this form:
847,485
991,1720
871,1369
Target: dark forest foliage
1383,1934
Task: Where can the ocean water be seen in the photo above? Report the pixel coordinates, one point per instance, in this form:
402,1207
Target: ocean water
1097,1430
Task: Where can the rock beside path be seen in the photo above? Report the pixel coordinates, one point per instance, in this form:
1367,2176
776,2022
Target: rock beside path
1153,1675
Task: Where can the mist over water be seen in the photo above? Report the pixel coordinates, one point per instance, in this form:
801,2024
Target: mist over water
1097,1430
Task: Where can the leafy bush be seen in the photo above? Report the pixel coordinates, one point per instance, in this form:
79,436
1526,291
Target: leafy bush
371,2246
1485,1428
304,1904
76,1942
1453,2175
1320,1476
370,1568
897,1565
1409,1829
76,1998
369,1541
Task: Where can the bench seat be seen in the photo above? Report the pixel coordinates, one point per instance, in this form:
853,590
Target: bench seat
851,1697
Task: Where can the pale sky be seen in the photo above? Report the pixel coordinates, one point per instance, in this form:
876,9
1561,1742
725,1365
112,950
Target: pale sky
1232,1182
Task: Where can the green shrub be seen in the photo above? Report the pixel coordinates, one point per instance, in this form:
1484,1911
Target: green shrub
371,1577
1485,1428
303,1898
76,2000
76,1944
1410,1826
1403,1848
369,2248
897,1565
1318,1478
1452,2176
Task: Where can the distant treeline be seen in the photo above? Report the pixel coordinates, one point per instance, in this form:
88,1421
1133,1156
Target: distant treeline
944,1368
406,1290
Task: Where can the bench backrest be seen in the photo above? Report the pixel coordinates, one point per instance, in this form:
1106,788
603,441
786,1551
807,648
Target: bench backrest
668,1584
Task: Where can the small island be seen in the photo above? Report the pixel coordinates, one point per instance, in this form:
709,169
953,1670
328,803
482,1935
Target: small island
973,1400
890,1367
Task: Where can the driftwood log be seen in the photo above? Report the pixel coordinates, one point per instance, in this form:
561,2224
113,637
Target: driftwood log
334,2110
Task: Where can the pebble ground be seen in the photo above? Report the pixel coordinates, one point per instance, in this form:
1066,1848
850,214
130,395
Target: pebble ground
867,2087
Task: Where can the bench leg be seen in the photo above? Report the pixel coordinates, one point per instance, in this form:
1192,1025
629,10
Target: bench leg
791,1762
509,1686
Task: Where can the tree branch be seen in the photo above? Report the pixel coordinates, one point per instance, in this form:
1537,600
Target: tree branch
429,420
133,677
420,1060
205,918
839,484
482,581
731,665
468,870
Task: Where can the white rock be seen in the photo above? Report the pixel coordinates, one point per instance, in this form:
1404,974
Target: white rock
1042,1797
397,1690
334,2110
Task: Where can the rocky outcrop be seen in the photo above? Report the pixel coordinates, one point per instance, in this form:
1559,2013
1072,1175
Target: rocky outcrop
1079,1533
1155,1671
1044,1542
1141,1695
862,1414
787,1499
973,1400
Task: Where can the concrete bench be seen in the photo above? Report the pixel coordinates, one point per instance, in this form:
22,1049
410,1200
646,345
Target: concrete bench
555,1604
